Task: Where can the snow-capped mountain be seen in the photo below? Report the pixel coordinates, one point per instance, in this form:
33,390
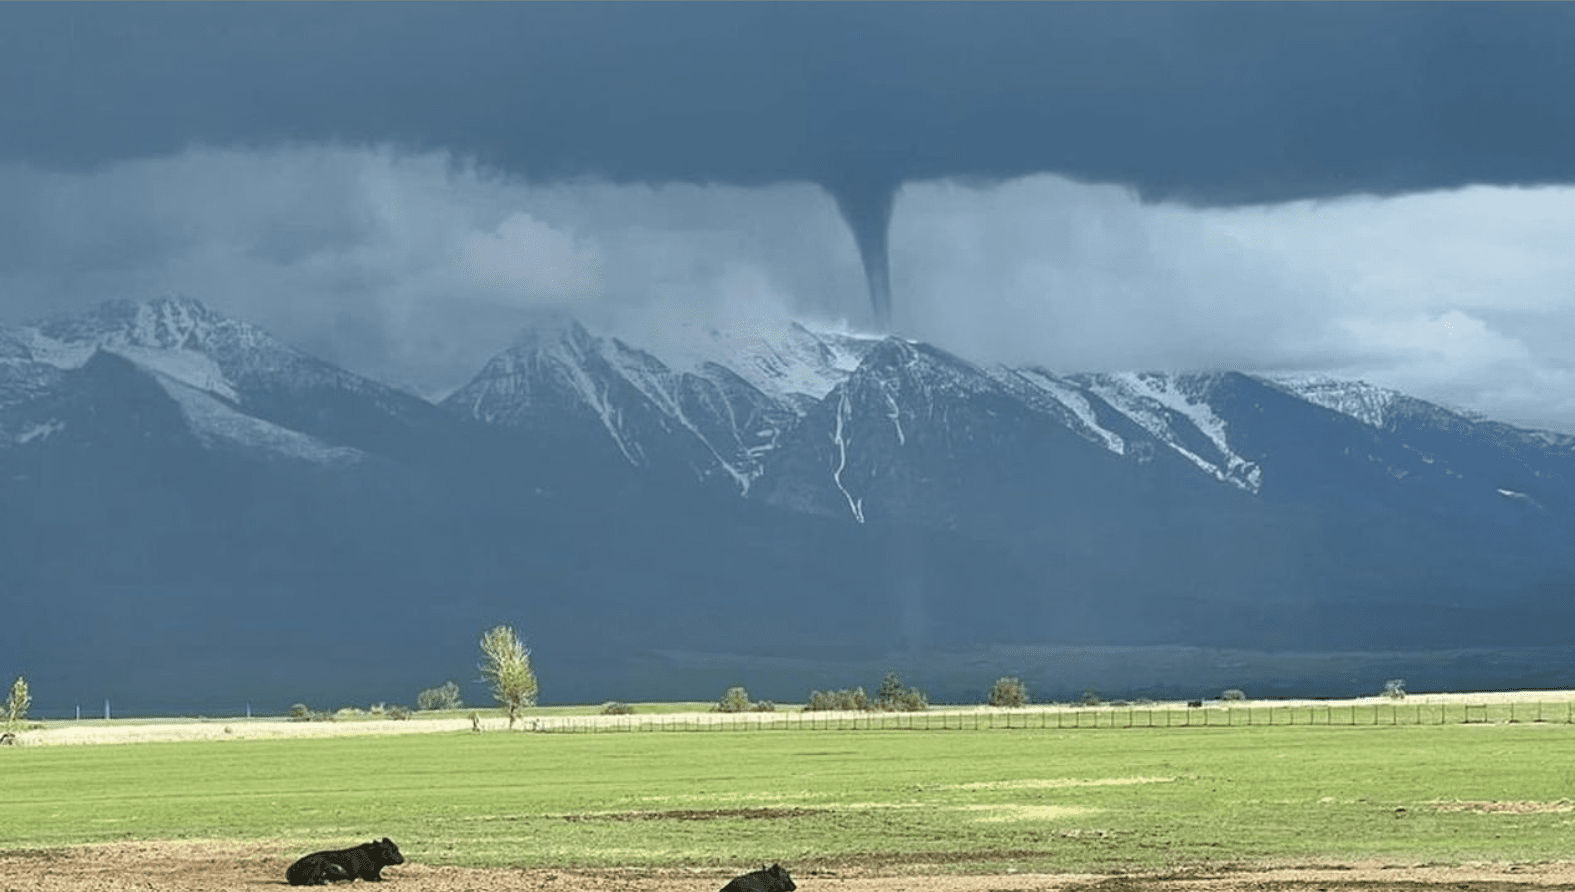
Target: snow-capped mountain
189,478
705,421
236,384
861,427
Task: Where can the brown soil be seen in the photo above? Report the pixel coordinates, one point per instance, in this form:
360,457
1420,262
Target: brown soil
211,866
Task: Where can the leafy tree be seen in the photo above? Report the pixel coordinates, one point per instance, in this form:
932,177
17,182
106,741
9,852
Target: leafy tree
735,700
506,669
1394,689
1009,692
17,703
445,696
894,696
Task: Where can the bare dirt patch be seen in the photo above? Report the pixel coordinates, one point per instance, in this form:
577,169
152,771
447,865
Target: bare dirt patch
1052,783
215,865
1508,808
690,814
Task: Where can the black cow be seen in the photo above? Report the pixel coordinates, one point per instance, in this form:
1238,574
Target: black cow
365,861
766,879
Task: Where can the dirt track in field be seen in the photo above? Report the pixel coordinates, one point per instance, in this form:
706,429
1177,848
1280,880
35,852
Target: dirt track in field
197,866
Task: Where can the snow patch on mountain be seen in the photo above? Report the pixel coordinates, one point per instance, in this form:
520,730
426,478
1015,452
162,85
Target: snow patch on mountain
782,359
216,423
1074,408
189,367
1365,402
41,431
1158,402
840,439
60,354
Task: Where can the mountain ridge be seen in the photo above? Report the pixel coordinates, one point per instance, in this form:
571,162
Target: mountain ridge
769,492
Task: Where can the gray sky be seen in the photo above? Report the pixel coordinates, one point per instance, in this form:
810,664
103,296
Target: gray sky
1365,189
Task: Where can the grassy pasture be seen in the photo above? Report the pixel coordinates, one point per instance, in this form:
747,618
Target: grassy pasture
1054,799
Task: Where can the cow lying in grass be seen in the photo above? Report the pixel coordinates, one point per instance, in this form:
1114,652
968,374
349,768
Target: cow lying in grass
365,862
766,879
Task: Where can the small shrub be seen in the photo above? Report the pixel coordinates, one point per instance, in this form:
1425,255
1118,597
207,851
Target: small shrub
765,706
735,700
616,708
1008,692
1394,689
1090,697
445,696
1232,695
300,712
398,713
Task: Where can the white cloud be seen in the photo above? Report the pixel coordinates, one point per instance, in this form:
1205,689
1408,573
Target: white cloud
1461,296
1483,247
417,267
411,267
1446,343
1086,277
526,256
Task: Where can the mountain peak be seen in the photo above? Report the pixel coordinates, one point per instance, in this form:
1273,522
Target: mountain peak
171,321
549,328
891,351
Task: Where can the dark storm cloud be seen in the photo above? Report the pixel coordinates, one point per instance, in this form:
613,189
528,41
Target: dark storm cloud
1221,103
393,186
1212,103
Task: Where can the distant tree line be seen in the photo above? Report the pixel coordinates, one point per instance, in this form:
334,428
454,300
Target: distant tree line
892,696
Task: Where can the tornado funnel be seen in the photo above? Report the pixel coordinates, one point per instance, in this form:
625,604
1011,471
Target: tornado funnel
867,206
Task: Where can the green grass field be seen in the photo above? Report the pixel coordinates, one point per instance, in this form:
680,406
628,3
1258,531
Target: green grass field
1058,800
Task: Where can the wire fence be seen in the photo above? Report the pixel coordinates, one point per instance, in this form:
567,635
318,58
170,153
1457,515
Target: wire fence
1211,715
